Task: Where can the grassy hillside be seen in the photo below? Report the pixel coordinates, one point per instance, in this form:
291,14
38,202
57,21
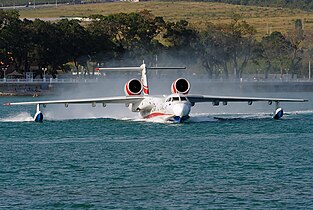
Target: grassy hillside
197,13
300,4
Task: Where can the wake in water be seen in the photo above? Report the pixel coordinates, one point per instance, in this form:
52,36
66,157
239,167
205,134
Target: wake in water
194,118
21,117
301,112
223,116
207,117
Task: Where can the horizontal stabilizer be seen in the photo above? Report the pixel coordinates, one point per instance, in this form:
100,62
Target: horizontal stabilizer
120,68
166,68
137,68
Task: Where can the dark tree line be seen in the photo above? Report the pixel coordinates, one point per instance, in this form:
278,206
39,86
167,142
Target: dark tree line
222,50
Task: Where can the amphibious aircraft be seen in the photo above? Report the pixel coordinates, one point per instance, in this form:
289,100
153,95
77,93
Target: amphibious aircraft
175,107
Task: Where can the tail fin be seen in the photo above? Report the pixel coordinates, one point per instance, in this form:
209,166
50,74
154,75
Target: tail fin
144,79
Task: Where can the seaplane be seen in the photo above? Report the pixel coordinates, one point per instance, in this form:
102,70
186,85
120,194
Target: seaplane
175,107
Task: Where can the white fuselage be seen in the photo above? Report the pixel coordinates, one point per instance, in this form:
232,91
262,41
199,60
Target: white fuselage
174,108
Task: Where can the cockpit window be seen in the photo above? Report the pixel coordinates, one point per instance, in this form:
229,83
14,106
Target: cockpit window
176,98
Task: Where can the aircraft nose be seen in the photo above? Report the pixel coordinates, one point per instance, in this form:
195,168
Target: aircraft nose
181,109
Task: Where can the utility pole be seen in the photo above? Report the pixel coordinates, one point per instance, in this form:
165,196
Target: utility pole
4,70
44,73
309,68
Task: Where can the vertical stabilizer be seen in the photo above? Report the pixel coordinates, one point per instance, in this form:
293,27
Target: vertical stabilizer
144,79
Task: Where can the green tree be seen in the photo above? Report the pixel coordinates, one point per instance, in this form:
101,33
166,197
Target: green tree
100,43
276,48
241,43
182,40
47,50
296,38
213,50
132,34
307,54
15,39
75,42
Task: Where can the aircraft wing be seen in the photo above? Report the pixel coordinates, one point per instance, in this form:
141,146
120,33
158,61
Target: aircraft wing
207,98
118,99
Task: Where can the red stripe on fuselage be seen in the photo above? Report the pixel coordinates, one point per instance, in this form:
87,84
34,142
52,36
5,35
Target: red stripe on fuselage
157,114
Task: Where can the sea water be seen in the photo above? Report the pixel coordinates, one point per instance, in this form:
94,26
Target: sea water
79,158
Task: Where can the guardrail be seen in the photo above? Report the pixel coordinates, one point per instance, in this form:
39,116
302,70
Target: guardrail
50,80
72,80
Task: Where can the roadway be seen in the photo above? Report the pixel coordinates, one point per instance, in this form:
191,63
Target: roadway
31,6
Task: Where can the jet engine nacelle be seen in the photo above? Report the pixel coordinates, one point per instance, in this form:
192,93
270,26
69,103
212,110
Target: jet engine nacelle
133,87
180,85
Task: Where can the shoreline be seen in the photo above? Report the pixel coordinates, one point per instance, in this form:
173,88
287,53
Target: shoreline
5,94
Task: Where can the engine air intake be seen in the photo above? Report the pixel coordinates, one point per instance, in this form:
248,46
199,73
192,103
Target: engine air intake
133,87
180,85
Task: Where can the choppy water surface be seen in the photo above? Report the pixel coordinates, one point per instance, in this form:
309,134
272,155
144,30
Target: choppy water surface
241,160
